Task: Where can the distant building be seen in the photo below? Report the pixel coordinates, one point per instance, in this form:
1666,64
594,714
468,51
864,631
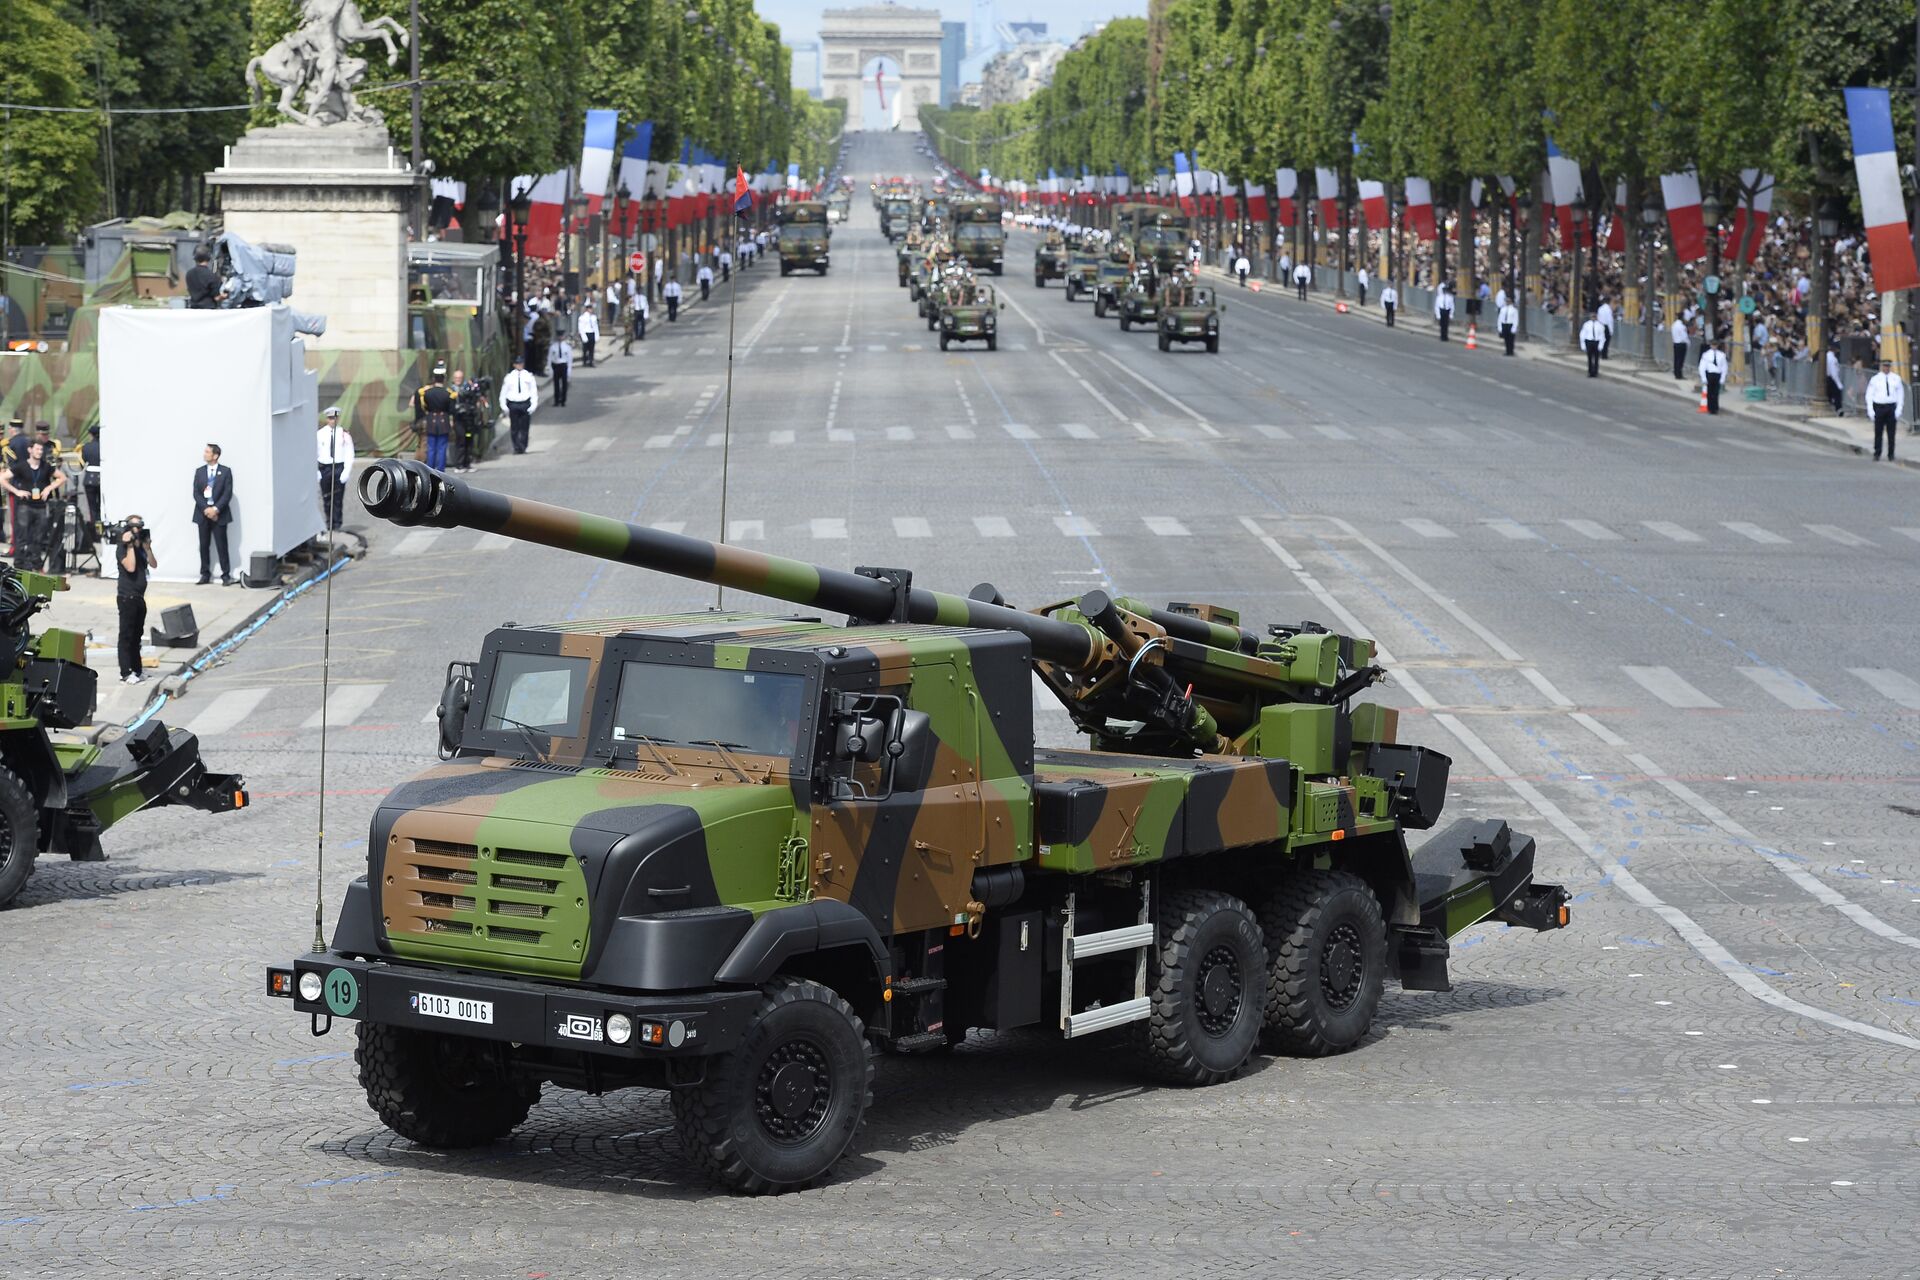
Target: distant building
953,51
1016,74
806,65
1028,32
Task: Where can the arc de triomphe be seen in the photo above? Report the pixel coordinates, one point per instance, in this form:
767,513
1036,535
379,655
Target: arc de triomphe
850,40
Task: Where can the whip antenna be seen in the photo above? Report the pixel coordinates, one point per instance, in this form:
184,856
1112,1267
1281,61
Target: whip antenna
320,839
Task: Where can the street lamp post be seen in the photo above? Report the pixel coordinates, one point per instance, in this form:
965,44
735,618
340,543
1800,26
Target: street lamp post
1440,211
518,205
1827,228
1649,219
1710,210
1521,275
1576,296
620,197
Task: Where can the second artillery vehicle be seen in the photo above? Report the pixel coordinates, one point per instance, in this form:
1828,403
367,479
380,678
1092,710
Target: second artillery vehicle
58,795
978,235
726,853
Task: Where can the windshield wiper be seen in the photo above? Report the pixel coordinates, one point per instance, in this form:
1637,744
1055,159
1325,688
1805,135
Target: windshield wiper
654,747
527,731
731,763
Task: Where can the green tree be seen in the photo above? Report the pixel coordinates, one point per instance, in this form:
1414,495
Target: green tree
48,184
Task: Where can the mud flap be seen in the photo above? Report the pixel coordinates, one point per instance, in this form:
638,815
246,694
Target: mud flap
1472,870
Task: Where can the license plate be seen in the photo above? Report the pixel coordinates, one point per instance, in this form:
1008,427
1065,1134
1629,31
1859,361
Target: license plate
453,1007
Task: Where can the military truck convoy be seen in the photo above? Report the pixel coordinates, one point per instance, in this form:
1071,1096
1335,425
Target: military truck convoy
58,794
978,234
803,236
728,853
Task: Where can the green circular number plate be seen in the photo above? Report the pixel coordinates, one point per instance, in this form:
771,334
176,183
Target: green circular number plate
1747,306
343,992
1711,284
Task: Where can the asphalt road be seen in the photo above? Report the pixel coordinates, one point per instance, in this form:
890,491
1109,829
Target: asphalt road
1678,650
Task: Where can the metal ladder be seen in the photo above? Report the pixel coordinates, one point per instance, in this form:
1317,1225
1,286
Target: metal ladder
1134,937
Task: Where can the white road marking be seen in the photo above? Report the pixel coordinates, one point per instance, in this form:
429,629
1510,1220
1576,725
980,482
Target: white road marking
839,435
1891,685
493,542
1171,399
1665,684
911,527
346,704
227,710
1510,529
827,527
715,439
746,530
417,542
1273,432
957,432
1079,431
1076,526
1909,533
1020,431
1668,529
1332,432
1427,528
599,444
1835,533
1166,527
899,433
658,442
993,526
1753,532
1592,529
779,437
1788,689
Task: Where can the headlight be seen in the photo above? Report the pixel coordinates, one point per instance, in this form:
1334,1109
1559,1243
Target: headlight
310,986
619,1028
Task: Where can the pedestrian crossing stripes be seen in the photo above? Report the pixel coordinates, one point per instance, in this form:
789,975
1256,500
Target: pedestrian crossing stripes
1765,537
1428,528
1510,529
346,704
226,711
1666,684
599,444
418,541
1909,533
911,527
1592,529
1891,685
1668,529
1793,692
1836,534
993,526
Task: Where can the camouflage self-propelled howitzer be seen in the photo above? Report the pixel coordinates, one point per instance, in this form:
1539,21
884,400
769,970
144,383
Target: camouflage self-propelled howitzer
725,853
56,794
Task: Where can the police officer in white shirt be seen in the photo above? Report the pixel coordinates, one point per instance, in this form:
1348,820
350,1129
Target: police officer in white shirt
336,461
1593,340
1241,267
1302,276
726,265
1390,298
613,303
704,276
671,292
589,334
1605,316
1364,280
519,396
1443,308
560,357
1836,389
1713,371
1679,336
1508,320
1886,397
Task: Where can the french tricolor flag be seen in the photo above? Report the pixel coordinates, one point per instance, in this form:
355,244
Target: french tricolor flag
1420,208
1373,202
1182,175
1326,188
1761,186
1681,192
1286,188
596,153
1877,164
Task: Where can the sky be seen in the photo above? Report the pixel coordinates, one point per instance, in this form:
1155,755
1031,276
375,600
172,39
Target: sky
1065,19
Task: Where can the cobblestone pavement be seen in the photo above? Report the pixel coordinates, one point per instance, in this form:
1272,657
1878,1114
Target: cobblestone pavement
1712,734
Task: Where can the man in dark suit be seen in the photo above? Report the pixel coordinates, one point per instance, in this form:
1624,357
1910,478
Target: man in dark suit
212,512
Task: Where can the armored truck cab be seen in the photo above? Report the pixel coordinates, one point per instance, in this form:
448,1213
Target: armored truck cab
978,235
725,853
803,237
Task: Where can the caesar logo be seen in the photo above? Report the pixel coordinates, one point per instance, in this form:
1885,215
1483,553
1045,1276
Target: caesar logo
580,1026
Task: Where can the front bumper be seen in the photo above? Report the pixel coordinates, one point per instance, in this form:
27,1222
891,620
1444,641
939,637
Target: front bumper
526,1012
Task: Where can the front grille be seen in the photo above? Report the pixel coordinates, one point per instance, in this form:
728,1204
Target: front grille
489,906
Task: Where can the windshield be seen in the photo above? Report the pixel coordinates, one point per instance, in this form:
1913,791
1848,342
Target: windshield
752,711
541,691
978,231
803,231
896,208
1163,236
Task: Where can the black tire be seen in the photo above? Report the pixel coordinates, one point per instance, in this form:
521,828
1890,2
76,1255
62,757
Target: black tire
1165,345
1213,345
1326,962
823,271
785,269
1039,282
744,1137
437,1090
19,834
932,323
1126,325
1206,988
943,342
1099,307
993,342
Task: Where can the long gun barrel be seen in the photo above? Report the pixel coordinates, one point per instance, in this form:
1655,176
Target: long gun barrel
411,493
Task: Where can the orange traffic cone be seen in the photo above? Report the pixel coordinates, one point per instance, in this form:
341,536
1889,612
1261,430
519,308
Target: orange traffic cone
1340,307
1473,343
1703,400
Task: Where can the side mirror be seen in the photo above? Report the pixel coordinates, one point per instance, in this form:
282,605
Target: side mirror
860,738
456,696
1003,306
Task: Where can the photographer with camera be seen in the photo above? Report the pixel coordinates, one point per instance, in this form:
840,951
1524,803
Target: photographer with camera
33,481
133,551
469,420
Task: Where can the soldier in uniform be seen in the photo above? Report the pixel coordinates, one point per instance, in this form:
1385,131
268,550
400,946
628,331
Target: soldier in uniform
433,415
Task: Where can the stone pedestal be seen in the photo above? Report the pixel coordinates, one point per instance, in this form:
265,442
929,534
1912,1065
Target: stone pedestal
339,196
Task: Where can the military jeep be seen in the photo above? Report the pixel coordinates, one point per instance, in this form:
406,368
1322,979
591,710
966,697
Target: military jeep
1083,273
1140,300
1189,313
969,314
1049,261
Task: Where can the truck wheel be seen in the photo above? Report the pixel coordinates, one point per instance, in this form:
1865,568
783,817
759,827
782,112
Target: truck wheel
1206,988
1099,307
19,835
439,1091
993,342
943,342
1039,282
1327,959
785,269
1126,325
932,322
1213,346
774,1114
1164,344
